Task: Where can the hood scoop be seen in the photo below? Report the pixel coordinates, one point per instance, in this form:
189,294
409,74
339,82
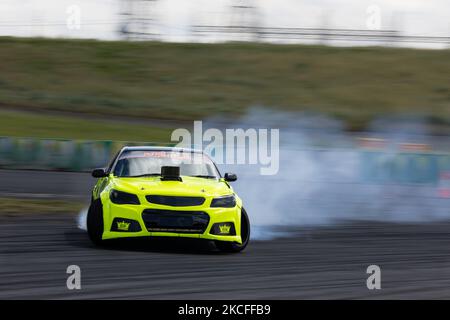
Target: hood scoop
169,173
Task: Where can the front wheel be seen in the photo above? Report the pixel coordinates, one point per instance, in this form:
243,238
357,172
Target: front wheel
226,246
95,222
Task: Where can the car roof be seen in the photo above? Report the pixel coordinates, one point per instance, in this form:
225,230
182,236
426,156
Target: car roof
159,148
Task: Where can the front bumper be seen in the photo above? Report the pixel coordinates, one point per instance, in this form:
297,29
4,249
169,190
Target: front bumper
113,213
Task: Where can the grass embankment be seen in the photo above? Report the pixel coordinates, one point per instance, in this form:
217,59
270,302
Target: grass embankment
23,124
193,81
30,206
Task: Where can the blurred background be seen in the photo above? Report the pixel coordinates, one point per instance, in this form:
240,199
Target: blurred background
360,91
79,79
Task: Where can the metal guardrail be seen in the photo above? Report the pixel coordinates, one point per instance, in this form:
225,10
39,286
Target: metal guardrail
322,34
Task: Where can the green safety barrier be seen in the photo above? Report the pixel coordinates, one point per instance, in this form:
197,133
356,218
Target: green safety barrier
403,167
60,154
83,155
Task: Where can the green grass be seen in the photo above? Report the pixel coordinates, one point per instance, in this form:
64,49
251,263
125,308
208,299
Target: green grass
31,206
23,124
193,81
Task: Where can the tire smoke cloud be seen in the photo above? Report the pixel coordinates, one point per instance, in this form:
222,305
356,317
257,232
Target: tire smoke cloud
320,179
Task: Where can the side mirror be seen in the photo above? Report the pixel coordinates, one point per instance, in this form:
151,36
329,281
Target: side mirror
99,173
230,177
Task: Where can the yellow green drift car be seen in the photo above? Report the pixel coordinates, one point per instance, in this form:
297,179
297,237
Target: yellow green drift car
166,192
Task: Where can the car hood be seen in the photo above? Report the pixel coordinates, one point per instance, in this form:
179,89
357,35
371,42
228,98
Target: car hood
189,186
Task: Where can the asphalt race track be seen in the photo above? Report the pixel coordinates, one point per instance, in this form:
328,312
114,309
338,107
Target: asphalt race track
45,184
326,262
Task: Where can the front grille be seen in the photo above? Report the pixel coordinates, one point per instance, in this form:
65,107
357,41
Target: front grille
175,201
175,221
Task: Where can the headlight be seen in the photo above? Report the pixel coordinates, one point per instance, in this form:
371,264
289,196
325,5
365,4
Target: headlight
224,202
120,197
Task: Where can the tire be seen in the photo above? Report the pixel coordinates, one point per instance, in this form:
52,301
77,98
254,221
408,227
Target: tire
95,222
233,247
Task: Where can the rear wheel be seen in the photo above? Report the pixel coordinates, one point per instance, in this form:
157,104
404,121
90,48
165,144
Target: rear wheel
226,246
95,221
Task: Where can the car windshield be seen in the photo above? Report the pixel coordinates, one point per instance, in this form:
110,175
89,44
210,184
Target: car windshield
138,163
